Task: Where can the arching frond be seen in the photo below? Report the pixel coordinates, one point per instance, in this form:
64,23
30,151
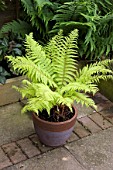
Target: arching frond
83,99
16,27
52,49
36,53
94,72
64,62
79,87
35,104
34,72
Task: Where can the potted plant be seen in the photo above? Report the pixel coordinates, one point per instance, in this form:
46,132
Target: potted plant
54,82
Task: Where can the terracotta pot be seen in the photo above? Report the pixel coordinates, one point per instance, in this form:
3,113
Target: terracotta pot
54,133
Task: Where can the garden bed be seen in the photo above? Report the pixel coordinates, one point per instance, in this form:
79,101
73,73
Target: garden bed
7,93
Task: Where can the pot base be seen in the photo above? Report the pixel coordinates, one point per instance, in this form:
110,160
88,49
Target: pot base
53,139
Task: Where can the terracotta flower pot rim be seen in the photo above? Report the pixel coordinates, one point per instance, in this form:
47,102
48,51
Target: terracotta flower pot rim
58,123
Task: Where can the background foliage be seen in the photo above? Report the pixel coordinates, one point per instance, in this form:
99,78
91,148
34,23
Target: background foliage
93,19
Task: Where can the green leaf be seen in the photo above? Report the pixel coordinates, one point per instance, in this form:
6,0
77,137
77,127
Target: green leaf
2,79
17,51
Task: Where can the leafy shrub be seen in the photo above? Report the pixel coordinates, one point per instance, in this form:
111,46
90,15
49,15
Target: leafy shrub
9,45
18,27
3,75
94,19
38,15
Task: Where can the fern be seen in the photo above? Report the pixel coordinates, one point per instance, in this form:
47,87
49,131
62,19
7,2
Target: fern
94,19
53,75
64,59
16,27
40,13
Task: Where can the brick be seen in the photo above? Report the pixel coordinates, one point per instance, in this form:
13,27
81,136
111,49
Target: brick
4,160
28,147
104,106
37,142
89,124
80,130
108,114
14,152
98,119
83,110
73,137
99,98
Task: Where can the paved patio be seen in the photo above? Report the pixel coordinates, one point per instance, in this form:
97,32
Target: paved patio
89,148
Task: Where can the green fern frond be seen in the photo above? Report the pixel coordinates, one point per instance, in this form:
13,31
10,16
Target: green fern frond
40,13
28,6
35,105
35,52
80,87
51,48
27,90
16,27
94,19
41,3
106,63
94,72
65,61
83,99
34,72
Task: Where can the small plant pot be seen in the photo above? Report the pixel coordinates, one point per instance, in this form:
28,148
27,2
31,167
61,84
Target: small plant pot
54,133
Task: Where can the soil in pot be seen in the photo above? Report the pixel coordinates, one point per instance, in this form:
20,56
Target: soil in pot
57,114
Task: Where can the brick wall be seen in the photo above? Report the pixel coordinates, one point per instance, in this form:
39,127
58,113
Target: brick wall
10,13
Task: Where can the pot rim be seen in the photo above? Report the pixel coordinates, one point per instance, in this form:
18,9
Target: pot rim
58,123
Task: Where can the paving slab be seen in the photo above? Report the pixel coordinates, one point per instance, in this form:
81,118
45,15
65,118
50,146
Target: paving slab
108,114
13,124
80,130
104,106
14,152
58,159
89,124
4,161
100,121
83,110
28,148
73,137
99,98
94,152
